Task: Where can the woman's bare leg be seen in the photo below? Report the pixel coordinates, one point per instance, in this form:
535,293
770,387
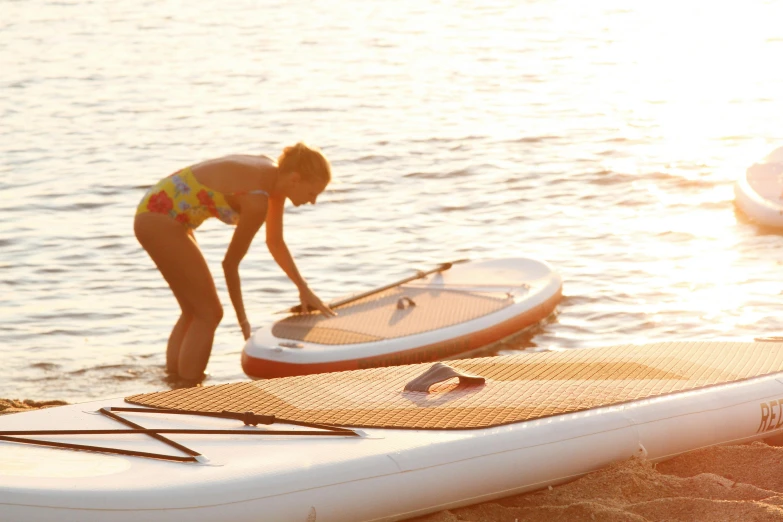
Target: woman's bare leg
175,342
184,268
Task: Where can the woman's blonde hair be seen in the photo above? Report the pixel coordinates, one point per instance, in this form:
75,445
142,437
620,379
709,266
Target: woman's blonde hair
308,161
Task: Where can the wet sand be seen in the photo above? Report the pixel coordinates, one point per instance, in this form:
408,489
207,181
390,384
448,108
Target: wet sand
724,483
16,405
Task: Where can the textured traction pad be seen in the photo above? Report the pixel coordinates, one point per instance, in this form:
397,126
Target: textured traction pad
377,317
518,387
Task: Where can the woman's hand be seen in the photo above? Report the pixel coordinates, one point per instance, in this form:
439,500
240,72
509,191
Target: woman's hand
245,325
310,301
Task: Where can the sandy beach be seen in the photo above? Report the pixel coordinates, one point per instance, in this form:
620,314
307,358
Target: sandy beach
715,484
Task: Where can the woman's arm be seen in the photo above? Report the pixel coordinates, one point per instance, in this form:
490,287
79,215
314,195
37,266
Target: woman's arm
283,257
251,219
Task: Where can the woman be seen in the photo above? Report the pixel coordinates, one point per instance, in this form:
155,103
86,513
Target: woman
239,190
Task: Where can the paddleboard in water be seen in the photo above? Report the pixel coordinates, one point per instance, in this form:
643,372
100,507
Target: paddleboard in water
450,311
759,192
386,443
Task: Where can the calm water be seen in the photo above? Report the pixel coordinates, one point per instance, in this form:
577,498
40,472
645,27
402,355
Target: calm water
602,136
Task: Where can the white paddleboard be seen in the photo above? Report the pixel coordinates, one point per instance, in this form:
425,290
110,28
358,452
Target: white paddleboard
449,313
536,420
759,192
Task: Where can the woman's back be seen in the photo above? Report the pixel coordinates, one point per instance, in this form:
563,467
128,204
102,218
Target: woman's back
237,174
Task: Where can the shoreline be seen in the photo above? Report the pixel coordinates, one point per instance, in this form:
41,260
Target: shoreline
714,484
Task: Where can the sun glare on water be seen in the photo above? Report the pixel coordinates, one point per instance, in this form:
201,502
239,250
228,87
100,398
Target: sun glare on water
681,72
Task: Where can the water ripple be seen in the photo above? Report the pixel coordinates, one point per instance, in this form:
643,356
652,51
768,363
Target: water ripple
463,130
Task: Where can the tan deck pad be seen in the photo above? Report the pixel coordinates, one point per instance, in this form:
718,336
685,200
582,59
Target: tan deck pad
518,387
377,317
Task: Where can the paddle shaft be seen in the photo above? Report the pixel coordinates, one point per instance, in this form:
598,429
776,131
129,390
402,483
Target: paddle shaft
442,267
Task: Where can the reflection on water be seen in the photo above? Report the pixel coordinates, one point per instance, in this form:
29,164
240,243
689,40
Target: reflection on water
603,137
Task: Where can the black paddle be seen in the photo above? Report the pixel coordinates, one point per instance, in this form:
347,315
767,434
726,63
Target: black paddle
419,275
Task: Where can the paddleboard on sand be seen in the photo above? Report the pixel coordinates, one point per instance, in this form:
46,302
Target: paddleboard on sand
451,311
386,443
759,192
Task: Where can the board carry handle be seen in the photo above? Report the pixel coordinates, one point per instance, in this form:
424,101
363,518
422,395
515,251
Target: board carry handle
419,275
440,372
405,302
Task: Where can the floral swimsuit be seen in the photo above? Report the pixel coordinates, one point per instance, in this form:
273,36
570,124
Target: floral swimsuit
189,202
